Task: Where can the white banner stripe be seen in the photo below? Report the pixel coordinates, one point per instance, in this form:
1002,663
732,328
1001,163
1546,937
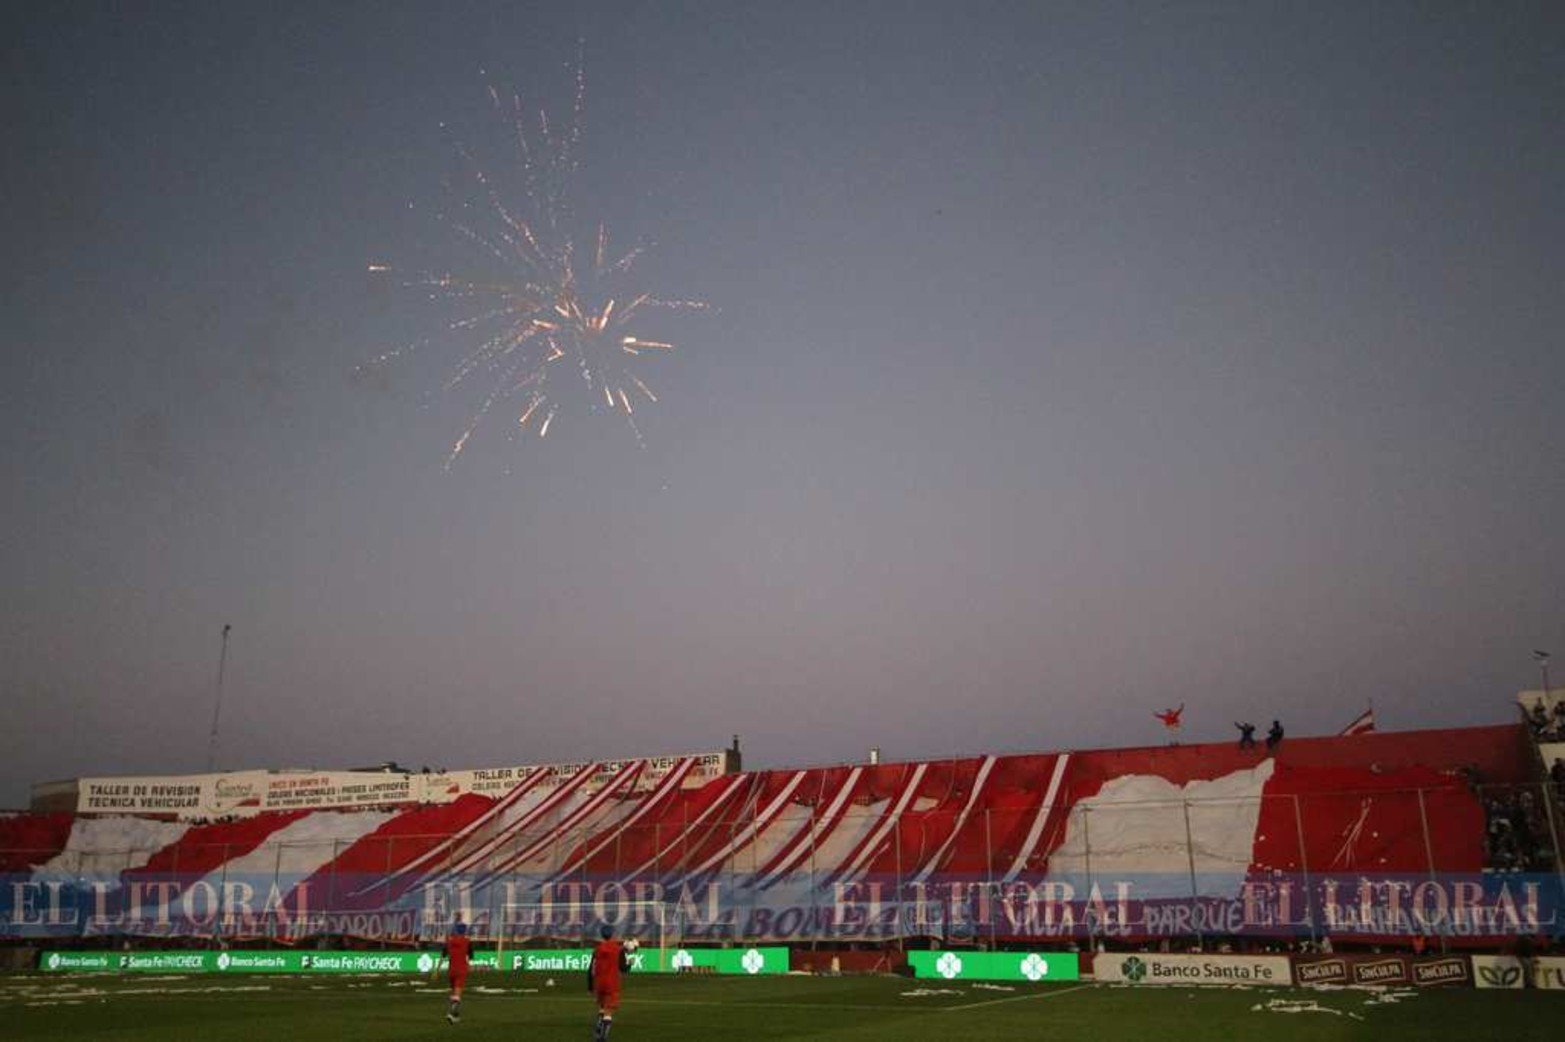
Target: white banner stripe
626,773
871,846
810,838
979,782
625,776
547,804
734,783
525,786
446,846
670,784
749,832
1041,820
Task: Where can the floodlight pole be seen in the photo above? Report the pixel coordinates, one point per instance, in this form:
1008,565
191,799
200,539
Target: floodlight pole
217,701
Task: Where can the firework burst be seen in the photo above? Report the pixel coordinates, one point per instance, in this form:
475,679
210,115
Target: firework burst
545,317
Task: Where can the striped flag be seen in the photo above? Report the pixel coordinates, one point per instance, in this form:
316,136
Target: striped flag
1362,724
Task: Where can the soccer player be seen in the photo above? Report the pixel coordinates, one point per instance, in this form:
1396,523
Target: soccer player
455,952
609,960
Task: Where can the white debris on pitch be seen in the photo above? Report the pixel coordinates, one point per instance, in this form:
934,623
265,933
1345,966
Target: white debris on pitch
1300,1006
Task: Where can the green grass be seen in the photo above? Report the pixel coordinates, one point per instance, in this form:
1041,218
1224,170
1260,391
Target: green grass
208,1008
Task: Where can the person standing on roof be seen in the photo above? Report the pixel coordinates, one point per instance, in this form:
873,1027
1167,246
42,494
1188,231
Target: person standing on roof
1170,718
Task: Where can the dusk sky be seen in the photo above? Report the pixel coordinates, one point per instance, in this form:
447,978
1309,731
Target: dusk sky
1064,362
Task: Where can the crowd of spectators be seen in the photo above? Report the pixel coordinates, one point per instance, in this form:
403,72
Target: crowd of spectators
1548,724
1516,833
383,808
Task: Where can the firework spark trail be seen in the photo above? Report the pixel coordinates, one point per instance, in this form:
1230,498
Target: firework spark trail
542,298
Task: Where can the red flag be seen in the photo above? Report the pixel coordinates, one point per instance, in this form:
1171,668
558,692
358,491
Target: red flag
1362,724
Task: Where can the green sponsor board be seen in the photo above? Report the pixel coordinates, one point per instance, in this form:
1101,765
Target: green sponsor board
743,961
257,962
751,962
91,962
165,962
242,961
129,962
367,962
550,960
736,961
1028,966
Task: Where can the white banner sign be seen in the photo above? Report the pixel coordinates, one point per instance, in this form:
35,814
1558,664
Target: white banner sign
339,789
237,792
1548,972
1154,968
497,781
1497,971
249,792
182,795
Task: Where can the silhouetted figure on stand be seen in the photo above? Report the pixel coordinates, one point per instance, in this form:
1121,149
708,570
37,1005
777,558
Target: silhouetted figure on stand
1246,735
1274,736
1539,718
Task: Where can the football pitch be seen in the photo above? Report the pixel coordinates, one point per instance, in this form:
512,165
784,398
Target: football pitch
683,1009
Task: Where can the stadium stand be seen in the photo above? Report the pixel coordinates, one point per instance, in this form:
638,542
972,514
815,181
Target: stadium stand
27,840
200,849
1196,820
381,856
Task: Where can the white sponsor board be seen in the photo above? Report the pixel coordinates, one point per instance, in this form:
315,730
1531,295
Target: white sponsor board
1548,972
192,796
1497,971
339,789
497,781
1152,968
179,794
235,792
244,792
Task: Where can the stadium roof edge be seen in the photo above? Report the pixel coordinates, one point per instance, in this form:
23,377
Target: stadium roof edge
64,785
1425,732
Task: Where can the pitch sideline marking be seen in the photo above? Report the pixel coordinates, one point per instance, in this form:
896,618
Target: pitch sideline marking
1017,998
768,1005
